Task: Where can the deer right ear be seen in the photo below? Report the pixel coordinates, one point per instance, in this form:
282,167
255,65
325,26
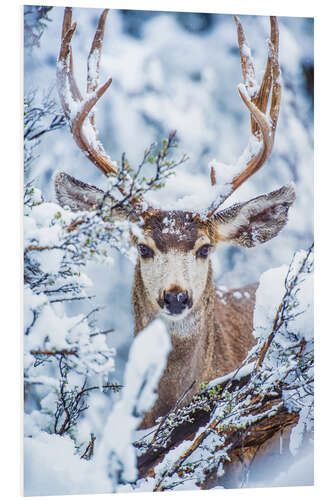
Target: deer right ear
255,221
75,194
78,195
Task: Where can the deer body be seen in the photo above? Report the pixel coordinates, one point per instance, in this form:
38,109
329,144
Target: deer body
212,341
210,335
214,336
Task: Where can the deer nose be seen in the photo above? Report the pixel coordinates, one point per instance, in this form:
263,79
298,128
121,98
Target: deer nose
175,301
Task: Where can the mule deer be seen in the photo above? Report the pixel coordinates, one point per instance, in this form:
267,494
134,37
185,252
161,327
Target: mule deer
173,276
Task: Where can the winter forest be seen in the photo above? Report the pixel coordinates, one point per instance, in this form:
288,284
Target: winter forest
173,124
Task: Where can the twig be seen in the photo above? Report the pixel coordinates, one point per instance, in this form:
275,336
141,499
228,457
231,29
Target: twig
105,332
171,411
89,451
63,352
69,299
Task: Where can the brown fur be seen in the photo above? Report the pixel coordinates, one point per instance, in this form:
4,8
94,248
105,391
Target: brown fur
216,334
163,227
219,341
218,329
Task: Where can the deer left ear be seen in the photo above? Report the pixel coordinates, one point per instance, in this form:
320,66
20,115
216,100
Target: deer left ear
257,220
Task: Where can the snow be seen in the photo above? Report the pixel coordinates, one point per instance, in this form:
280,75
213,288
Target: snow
268,298
302,320
235,375
170,459
302,325
41,228
297,432
31,302
93,63
70,475
48,325
160,83
246,50
147,361
49,260
272,287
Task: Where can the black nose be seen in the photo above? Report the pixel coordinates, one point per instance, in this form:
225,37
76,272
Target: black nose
175,301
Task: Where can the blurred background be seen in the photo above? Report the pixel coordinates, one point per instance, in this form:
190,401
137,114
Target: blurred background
178,71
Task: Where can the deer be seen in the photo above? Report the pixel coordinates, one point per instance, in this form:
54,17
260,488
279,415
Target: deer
173,279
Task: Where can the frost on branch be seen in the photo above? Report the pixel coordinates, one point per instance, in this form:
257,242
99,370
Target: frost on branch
241,421
40,118
66,355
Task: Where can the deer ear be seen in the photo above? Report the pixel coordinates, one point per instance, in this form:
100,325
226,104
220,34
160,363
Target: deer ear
257,220
77,195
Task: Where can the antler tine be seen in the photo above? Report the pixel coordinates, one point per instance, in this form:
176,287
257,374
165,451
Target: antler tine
76,108
271,73
94,58
256,100
63,63
66,52
249,76
67,22
89,143
277,88
267,139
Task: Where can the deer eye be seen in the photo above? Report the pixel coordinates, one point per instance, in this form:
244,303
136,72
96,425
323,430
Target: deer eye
203,251
145,252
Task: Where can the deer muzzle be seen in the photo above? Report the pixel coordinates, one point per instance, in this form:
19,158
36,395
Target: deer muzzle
175,301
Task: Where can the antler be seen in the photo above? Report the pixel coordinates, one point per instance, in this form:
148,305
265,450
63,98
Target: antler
256,99
76,108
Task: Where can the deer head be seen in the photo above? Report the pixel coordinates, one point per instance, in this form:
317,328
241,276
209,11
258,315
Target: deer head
175,246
